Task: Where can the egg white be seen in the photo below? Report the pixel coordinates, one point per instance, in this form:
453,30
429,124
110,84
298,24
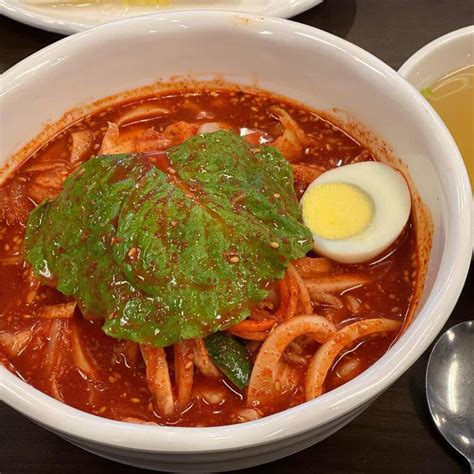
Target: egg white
392,204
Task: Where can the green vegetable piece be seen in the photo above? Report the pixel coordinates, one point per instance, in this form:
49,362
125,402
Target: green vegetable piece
426,92
163,257
231,358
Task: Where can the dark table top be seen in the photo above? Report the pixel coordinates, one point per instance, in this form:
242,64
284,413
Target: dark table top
395,434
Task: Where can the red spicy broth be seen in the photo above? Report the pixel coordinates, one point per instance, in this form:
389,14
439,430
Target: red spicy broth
30,340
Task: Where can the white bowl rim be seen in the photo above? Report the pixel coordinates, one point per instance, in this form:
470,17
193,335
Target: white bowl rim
432,48
38,19
429,48
302,418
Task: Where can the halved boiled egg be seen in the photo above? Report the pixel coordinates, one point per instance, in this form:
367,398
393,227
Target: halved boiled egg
356,211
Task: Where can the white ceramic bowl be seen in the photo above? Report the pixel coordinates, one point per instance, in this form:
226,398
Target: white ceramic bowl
439,58
294,60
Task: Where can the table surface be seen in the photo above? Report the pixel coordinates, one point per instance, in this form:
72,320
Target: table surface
395,434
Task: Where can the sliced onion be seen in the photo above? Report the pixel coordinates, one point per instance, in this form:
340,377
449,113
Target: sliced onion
58,311
158,378
262,381
325,356
140,113
13,344
211,127
202,360
335,283
82,141
81,361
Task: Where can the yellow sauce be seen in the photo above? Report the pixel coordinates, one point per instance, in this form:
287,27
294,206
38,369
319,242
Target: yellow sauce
453,98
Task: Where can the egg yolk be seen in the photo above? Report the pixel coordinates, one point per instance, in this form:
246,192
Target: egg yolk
337,211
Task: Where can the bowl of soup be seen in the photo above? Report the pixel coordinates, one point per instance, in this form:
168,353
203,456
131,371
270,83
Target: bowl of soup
214,253
443,71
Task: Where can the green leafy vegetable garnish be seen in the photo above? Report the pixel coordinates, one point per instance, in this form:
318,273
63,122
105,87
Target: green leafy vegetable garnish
231,358
426,92
171,246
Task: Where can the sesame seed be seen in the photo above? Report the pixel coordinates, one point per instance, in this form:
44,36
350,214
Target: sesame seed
274,245
276,195
234,259
171,170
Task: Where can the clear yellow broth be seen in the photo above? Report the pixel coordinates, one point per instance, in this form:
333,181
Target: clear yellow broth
453,98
